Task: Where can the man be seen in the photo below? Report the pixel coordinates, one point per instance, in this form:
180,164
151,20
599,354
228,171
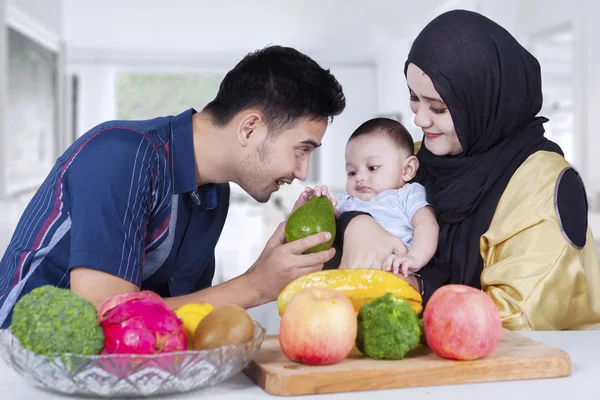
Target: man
140,204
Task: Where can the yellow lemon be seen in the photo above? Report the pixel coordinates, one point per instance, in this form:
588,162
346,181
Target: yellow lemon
191,315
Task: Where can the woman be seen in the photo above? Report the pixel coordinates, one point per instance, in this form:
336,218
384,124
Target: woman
512,211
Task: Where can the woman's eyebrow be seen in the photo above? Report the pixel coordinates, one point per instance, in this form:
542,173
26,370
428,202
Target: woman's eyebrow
434,99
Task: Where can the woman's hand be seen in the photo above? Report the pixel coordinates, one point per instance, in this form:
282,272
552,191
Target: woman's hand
368,245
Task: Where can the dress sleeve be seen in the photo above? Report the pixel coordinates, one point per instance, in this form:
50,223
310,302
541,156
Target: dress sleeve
541,265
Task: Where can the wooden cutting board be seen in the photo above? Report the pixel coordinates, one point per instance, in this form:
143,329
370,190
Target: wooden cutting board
515,358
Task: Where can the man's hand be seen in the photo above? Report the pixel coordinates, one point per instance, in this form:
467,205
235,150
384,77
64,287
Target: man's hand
281,262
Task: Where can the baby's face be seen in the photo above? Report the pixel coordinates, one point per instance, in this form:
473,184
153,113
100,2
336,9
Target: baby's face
373,164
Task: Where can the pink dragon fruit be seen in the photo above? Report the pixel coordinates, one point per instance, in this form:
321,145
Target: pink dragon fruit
140,323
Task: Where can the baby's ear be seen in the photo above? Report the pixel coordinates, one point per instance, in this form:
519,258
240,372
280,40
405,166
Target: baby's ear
409,168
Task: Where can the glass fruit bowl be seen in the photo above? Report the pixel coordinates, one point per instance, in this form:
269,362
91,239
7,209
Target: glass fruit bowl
120,375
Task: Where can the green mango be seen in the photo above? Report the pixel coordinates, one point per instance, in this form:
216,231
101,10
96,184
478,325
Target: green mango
314,216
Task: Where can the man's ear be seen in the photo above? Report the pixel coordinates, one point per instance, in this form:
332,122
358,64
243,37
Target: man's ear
409,168
248,124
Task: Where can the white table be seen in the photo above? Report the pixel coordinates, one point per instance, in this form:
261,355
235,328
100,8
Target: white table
584,382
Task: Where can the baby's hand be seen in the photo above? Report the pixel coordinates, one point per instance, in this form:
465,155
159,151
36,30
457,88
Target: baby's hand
320,191
312,192
403,264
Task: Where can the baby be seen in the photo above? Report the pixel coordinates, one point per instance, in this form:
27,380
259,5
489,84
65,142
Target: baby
380,162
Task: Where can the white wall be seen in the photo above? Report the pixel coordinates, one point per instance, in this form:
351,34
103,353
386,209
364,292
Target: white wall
358,83
217,31
47,13
537,16
96,96
43,19
392,92
587,55
3,95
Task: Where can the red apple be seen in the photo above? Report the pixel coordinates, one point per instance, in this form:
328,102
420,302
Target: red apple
461,323
318,327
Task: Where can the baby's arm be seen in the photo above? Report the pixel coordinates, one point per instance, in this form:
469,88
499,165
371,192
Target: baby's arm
425,239
424,245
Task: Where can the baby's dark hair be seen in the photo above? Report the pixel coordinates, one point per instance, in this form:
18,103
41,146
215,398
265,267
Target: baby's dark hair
389,127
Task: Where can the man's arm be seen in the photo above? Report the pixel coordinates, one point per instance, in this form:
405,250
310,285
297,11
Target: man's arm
96,286
279,264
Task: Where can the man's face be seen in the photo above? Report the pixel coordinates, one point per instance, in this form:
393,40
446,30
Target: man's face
276,161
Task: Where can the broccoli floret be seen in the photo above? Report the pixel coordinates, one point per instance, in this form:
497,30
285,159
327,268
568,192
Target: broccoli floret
388,328
51,320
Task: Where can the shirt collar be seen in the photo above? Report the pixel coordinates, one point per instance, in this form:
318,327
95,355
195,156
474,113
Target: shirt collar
183,166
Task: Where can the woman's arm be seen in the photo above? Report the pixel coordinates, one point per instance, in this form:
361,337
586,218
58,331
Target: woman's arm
541,265
540,282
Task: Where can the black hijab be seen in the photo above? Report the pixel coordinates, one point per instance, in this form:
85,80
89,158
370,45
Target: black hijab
492,88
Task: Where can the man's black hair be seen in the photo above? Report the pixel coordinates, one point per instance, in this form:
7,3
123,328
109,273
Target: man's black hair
283,83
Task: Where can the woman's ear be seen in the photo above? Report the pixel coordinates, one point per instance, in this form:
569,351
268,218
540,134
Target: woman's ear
409,168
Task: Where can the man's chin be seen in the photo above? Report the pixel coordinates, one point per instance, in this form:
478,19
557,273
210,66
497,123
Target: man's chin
261,197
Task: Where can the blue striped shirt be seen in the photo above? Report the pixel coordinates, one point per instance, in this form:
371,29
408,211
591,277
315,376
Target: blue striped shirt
121,199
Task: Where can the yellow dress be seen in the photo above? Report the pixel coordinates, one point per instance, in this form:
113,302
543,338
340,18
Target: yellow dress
536,277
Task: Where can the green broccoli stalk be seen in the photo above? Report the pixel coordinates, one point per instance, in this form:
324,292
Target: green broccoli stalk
387,328
50,320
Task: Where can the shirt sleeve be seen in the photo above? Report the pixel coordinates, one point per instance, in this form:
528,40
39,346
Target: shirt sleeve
341,198
108,189
414,198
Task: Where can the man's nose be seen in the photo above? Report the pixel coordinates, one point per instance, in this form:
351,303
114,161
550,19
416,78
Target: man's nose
301,172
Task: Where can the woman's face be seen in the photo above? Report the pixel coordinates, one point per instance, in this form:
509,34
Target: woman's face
431,114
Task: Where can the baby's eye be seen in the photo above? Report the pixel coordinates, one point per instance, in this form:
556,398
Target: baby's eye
352,173
373,167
